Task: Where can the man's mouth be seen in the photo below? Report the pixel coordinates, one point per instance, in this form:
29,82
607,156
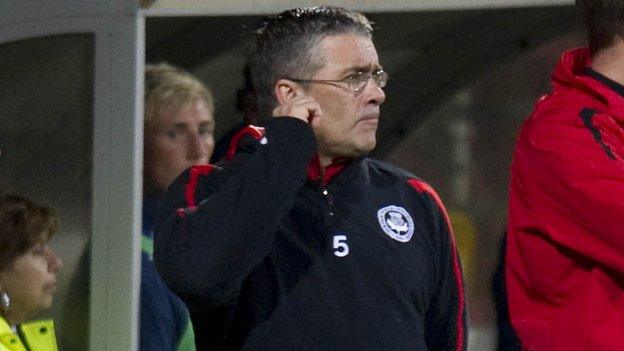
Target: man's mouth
369,114
369,119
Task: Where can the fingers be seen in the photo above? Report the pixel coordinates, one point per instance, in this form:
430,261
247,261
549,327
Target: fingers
304,108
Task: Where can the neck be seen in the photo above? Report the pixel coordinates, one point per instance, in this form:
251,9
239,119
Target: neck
610,61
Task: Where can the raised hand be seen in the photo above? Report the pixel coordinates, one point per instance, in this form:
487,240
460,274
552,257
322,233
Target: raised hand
305,108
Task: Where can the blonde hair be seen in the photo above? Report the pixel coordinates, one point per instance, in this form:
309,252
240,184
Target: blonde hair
170,88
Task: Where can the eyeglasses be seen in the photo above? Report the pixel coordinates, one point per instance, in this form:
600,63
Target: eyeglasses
356,82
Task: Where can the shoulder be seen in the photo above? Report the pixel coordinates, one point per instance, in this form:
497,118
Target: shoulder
560,110
563,124
385,169
410,184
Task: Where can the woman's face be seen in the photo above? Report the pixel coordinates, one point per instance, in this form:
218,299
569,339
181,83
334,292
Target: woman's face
30,281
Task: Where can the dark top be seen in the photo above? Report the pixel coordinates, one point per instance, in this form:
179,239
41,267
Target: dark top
269,259
165,323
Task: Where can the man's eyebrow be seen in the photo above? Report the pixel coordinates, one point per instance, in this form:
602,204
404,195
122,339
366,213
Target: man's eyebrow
361,68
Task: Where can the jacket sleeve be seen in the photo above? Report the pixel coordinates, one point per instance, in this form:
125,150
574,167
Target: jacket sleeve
570,178
221,224
445,319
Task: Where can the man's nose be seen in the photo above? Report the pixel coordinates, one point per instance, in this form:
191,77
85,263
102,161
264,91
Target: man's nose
376,93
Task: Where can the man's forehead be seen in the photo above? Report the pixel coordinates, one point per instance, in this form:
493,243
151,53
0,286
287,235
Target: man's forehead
346,51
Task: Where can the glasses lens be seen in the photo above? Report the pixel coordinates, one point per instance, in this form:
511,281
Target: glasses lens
357,81
381,78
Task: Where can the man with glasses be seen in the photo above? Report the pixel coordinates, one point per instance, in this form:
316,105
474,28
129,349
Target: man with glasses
298,241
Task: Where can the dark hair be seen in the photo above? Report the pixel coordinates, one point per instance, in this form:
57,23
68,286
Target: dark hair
604,20
285,45
21,224
246,100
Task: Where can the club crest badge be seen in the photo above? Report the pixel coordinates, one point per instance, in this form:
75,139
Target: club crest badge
396,222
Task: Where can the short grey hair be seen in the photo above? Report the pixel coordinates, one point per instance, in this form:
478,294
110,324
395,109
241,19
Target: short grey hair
286,46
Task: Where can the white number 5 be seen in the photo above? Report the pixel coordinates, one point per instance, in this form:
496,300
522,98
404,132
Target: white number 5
340,244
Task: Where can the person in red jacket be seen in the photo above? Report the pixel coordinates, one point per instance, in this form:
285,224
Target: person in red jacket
565,248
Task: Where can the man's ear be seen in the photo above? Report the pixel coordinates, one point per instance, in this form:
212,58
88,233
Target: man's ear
287,90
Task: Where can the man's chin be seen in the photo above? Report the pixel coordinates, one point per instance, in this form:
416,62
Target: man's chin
369,146
364,149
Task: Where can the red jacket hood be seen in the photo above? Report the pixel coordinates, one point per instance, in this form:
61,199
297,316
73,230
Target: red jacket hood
571,73
572,67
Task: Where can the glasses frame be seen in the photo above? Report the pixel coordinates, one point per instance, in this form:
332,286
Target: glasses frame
379,76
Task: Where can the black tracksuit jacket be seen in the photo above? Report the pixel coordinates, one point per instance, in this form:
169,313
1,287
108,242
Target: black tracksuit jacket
268,259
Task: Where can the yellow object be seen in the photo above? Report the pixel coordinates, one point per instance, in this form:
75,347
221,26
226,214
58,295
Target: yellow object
465,234
32,336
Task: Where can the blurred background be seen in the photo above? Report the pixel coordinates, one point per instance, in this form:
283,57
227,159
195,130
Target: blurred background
461,82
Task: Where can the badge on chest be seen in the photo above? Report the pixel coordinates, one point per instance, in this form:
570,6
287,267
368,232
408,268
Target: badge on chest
396,222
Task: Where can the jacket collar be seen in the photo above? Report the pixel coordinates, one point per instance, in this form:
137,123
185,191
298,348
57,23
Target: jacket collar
5,328
324,175
574,71
613,85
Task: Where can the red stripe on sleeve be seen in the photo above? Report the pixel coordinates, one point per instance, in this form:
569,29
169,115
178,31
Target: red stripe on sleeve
254,131
423,187
191,185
